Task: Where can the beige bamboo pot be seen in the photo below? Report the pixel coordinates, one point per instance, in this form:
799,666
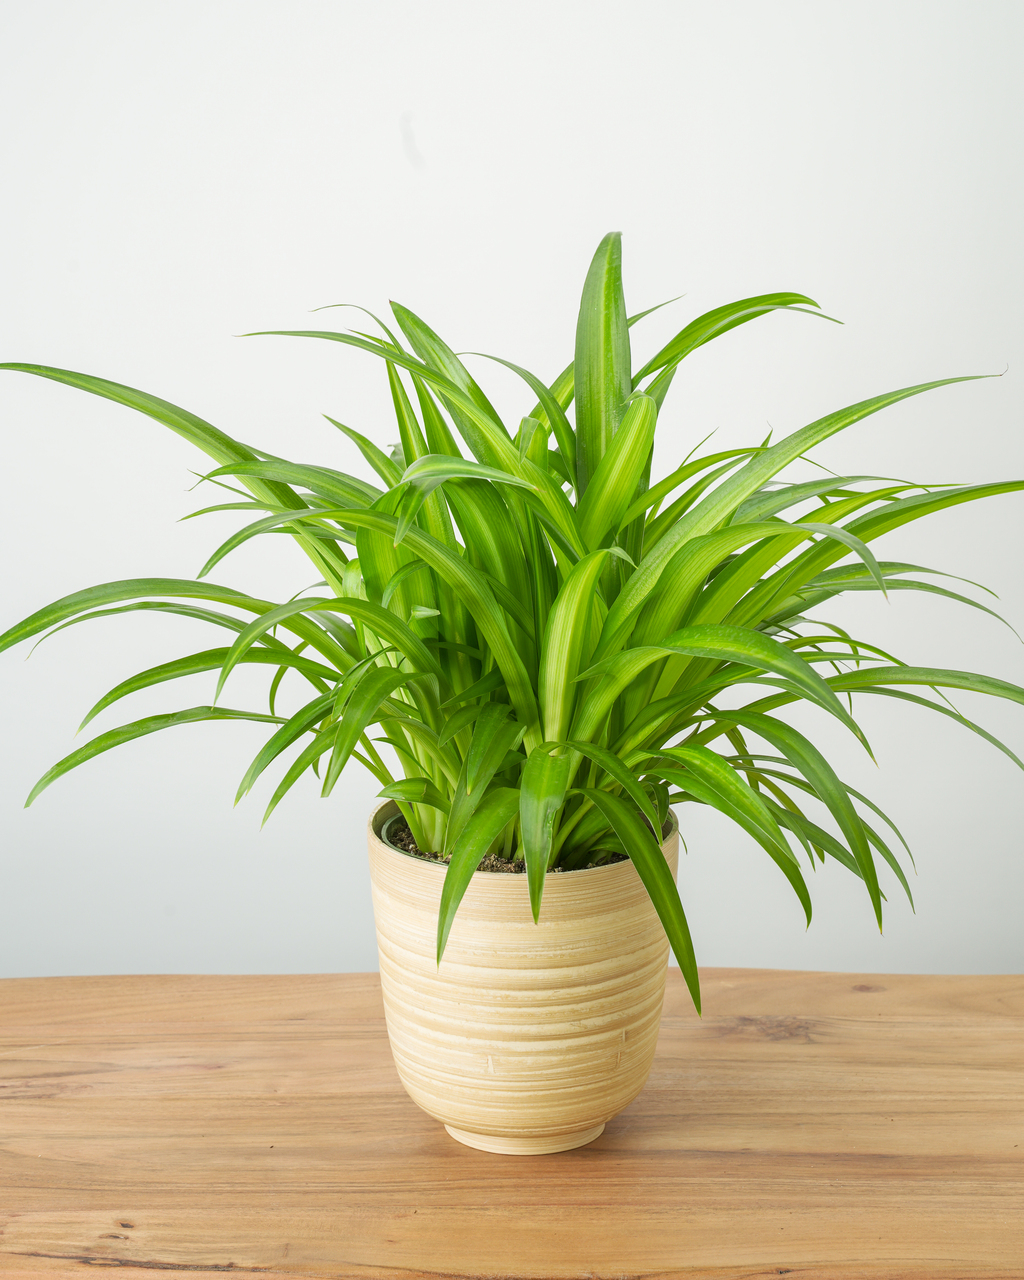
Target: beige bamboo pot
529,1037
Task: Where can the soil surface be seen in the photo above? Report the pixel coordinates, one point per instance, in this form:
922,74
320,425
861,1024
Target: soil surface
402,838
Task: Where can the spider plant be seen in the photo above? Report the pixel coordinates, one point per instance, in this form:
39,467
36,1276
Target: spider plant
552,643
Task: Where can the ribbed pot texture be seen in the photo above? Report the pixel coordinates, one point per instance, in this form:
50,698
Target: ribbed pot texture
529,1037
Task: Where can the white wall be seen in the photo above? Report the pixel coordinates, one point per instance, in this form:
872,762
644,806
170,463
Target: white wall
177,173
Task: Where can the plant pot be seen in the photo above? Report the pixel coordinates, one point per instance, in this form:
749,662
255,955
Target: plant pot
529,1037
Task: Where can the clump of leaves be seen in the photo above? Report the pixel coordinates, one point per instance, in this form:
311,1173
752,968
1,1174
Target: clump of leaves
541,633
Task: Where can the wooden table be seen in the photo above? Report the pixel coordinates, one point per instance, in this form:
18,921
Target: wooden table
822,1125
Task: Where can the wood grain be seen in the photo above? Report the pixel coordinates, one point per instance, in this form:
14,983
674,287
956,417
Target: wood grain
529,1036
826,1126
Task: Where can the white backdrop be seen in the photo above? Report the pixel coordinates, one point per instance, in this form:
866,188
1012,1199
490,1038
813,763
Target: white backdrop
178,173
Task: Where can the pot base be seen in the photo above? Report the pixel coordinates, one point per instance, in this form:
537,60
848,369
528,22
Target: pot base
525,1146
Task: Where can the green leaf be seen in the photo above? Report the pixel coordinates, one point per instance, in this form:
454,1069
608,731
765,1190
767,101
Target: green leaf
804,829
227,506
380,557
438,355
935,676
481,603
701,791
396,579
111,592
276,522
766,599
619,473
711,769
719,505
562,389
363,709
183,610
459,721
384,623
377,458
494,547
658,525
658,492
641,315
712,781
836,582
138,729
439,438
435,468
771,501
480,688
556,463
822,838
554,414
951,713
486,436
425,739
301,722
210,660
602,364
614,767
673,596
415,791
545,780
892,567
723,643
902,510
493,814
565,646
308,757
721,320
712,324
494,735
854,543
210,439
806,758
645,854
332,486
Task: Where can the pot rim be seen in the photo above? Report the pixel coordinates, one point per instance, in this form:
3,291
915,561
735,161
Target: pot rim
378,817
